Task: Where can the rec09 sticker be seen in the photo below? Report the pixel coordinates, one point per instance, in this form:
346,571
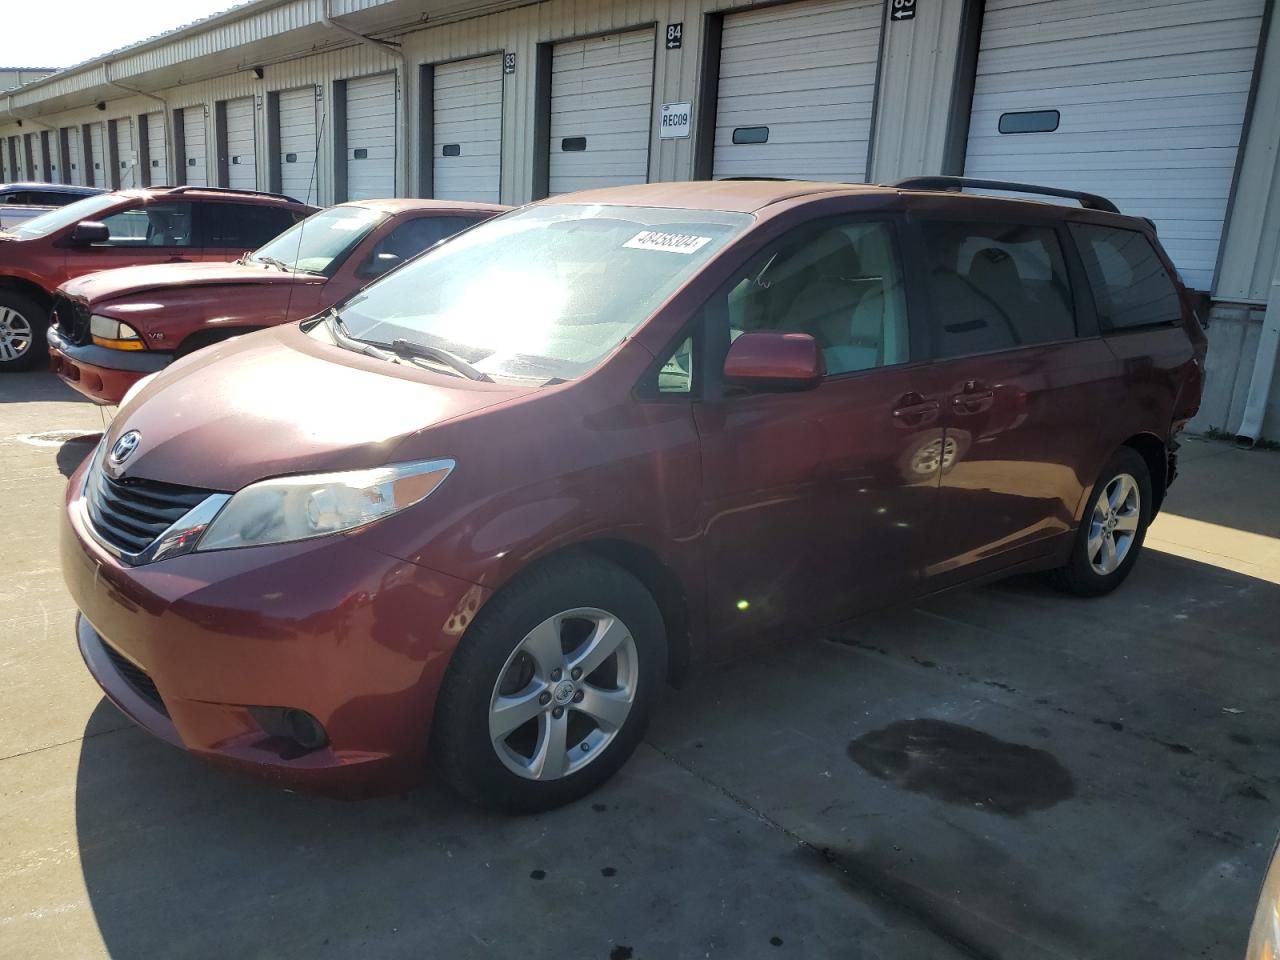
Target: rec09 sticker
685,243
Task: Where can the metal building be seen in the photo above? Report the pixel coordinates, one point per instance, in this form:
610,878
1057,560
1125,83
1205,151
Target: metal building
1169,107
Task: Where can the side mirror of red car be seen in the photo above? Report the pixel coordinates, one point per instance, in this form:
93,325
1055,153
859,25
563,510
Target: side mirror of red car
774,360
90,231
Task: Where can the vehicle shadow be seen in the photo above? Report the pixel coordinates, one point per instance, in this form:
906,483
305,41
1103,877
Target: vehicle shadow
35,386
1154,705
72,452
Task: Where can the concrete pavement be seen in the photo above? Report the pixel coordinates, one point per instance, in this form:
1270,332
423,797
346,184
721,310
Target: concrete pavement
997,772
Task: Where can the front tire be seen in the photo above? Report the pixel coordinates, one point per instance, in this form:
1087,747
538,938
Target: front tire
1111,533
23,324
551,687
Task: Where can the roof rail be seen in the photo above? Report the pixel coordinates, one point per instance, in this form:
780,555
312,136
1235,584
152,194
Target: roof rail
186,188
1090,201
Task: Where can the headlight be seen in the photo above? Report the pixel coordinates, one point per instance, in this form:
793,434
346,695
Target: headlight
298,508
114,334
1264,938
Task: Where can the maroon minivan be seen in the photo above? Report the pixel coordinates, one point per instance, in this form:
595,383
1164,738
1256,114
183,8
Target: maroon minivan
479,512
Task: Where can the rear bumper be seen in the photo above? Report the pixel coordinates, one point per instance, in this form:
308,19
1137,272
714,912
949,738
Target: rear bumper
189,648
102,375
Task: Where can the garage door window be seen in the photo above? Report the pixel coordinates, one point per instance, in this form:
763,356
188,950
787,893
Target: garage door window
1029,121
996,286
1131,287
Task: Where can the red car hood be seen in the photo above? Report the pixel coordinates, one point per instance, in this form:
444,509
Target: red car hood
126,281
281,402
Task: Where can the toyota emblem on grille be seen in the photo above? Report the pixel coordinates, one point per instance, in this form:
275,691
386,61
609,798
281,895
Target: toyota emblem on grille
124,447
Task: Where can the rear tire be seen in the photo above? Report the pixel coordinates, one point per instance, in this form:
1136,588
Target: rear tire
24,323
1112,530
551,687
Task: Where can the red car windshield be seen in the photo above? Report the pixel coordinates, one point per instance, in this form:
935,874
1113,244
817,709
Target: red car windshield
543,293
321,242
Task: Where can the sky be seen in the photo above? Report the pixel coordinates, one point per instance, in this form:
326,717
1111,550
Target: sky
59,33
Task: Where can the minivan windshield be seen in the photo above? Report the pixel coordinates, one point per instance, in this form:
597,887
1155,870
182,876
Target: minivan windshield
544,293
60,217
320,243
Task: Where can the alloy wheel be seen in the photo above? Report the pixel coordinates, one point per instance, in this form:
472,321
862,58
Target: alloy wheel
1114,524
563,694
15,334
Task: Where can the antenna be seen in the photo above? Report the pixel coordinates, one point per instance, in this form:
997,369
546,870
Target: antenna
302,227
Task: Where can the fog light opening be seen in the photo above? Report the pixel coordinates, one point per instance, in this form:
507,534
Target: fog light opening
292,725
305,730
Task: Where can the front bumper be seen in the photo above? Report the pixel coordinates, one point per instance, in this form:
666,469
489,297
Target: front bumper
187,646
102,375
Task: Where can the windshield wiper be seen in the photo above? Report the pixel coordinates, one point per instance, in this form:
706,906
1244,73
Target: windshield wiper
400,349
278,264
344,339
420,351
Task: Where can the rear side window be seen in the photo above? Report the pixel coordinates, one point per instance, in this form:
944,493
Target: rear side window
246,226
1130,285
996,286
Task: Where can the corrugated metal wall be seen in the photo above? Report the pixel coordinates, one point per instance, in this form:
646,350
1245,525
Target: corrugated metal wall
916,88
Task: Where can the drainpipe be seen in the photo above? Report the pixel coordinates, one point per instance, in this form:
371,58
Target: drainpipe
169,173
393,50
1264,367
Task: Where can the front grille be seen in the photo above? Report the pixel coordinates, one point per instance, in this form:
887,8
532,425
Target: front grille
136,678
129,514
72,318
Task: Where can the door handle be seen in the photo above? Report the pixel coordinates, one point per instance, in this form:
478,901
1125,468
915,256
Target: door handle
914,410
973,400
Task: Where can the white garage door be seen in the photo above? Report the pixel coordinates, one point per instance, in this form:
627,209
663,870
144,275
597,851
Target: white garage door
371,137
35,157
57,162
126,154
601,111
1148,98
98,156
157,171
74,160
193,145
298,143
241,146
797,87
467,132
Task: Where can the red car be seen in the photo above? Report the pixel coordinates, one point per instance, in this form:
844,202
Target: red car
112,328
485,508
157,225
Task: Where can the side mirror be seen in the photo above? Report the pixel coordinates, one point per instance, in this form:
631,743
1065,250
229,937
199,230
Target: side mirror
90,231
774,360
379,264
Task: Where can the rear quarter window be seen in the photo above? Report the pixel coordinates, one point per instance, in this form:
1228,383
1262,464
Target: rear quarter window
1131,287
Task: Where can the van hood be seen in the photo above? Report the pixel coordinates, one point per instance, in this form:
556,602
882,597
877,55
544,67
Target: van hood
94,288
281,402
